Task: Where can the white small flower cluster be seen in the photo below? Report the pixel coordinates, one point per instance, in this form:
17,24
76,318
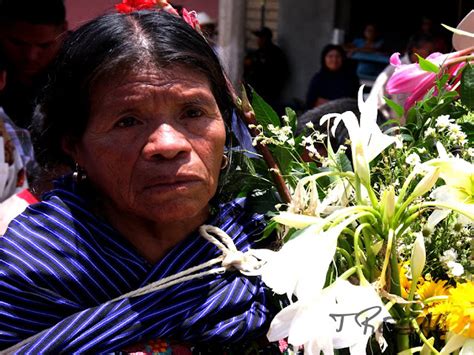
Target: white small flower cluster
280,135
446,125
430,132
449,258
413,159
470,152
309,142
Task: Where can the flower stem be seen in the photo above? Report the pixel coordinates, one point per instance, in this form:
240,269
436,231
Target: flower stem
435,299
394,273
415,326
349,273
357,250
347,256
387,258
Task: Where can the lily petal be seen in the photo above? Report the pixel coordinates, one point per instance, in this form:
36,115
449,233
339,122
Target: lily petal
395,59
468,347
295,220
455,342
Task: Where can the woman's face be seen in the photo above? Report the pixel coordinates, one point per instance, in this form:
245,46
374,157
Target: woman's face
333,60
154,144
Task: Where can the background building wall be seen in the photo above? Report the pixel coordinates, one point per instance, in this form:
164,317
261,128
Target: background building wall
303,30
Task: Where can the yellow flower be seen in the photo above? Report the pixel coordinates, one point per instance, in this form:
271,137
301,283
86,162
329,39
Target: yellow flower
460,317
431,289
405,282
432,314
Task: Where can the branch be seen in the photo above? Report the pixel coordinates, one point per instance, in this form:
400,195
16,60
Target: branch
249,117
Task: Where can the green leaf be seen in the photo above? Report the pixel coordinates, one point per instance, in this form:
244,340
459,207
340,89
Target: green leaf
269,230
468,128
264,113
284,159
426,65
291,114
343,162
395,107
467,86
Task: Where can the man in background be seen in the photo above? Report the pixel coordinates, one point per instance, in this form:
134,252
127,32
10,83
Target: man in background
31,32
266,69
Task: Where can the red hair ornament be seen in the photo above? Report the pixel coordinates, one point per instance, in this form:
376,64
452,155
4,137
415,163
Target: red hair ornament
128,6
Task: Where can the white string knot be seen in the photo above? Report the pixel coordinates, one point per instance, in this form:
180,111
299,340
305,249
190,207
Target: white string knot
246,263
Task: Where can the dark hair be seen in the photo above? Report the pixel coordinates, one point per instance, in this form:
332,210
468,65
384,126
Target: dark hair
112,45
328,48
264,32
33,11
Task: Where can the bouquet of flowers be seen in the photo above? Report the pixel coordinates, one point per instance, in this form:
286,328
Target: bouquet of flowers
377,244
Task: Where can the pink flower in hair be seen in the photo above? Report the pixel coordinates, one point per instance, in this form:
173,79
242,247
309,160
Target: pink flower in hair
191,18
128,6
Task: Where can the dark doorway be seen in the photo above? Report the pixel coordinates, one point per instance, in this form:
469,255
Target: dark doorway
398,20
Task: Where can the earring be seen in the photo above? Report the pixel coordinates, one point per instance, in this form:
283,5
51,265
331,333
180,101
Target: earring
225,162
79,175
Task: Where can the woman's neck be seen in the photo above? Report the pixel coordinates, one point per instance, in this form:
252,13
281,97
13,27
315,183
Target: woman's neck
153,240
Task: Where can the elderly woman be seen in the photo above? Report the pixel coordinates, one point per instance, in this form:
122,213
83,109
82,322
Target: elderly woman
139,106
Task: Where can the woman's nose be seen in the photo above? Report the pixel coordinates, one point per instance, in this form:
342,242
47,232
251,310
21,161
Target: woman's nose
166,142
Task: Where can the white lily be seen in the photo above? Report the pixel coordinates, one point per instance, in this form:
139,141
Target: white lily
457,341
300,266
340,316
337,197
367,140
458,192
305,198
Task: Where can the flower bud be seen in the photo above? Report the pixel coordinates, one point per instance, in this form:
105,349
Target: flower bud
387,201
361,165
426,183
418,257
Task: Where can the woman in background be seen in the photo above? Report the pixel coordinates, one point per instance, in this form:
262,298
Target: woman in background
335,80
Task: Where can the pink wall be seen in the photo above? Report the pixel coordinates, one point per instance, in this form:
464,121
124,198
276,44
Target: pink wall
80,11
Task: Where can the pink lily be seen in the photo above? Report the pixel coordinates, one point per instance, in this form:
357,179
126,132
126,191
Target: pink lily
411,79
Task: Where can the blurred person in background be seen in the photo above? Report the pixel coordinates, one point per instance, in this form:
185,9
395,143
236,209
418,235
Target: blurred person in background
266,69
31,33
335,80
421,44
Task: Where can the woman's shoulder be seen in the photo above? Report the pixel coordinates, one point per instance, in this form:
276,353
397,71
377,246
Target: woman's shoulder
57,225
53,211
244,219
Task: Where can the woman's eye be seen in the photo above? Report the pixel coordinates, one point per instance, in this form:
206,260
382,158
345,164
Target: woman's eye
128,121
193,113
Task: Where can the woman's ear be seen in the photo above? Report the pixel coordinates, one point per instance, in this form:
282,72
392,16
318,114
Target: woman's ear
69,146
3,79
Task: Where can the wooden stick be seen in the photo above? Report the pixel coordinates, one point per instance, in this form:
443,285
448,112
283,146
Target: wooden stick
249,117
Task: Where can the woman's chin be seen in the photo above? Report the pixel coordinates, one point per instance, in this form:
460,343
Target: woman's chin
175,210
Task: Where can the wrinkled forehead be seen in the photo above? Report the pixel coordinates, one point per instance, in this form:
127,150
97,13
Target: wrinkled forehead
168,82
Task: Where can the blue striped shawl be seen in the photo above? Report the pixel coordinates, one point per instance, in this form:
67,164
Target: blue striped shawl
59,263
